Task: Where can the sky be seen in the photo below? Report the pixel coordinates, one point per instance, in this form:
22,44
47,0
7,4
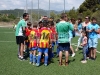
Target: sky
57,5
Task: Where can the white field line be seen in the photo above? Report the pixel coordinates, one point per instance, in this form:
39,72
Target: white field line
74,44
97,51
7,32
7,41
7,26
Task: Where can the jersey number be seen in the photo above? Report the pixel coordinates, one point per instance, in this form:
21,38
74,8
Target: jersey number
45,36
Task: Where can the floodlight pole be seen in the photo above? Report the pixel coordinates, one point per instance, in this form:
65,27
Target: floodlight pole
64,6
49,8
38,10
31,11
26,6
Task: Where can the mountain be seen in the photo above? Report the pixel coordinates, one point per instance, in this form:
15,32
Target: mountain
19,12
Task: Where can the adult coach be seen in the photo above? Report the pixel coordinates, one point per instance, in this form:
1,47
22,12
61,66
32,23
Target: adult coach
62,29
20,33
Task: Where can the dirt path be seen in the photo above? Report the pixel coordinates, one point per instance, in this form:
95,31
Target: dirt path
6,24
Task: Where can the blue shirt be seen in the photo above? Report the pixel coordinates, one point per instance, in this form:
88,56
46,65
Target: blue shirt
70,31
80,27
93,34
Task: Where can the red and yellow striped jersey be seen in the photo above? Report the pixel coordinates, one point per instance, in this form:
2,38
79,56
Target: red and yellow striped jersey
45,34
33,38
53,35
28,30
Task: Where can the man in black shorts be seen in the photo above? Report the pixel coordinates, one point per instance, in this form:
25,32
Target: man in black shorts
20,32
62,29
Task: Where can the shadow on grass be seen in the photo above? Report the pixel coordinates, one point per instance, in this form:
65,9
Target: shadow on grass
71,61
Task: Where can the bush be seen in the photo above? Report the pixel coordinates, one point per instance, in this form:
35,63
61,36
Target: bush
11,16
5,19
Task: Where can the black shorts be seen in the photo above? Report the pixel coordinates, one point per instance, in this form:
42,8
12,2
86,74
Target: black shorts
26,38
19,39
64,46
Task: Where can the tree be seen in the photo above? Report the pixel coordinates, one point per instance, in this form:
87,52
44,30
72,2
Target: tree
89,5
97,15
35,16
87,13
73,13
11,16
53,15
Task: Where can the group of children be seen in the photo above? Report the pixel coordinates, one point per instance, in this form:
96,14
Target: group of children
40,39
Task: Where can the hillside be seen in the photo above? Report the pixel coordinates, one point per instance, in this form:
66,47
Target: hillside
19,12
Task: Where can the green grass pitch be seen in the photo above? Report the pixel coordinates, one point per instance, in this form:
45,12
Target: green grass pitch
10,65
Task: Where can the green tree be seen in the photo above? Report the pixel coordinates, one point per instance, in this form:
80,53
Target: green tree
87,13
35,16
89,5
53,15
11,16
72,13
97,15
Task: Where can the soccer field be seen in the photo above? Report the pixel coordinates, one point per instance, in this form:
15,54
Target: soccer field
10,65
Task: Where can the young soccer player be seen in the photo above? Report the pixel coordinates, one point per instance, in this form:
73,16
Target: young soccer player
39,29
85,46
40,25
44,43
33,43
53,38
27,33
28,29
53,35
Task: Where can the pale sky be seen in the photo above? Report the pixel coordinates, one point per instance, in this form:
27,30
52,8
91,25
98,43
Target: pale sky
44,4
